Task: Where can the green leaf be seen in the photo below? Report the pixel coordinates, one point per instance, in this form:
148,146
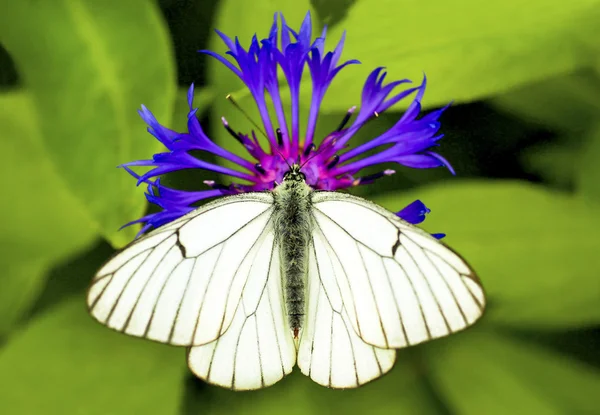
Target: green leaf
22,282
66,363
568,103
556,163
468,49
589,167
88,67
72,277
42,222
536,251
483,372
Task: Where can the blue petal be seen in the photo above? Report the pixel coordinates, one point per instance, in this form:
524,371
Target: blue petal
414,213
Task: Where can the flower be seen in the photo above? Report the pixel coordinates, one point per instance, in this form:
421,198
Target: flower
332,165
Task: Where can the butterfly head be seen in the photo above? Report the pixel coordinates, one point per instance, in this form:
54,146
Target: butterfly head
294,174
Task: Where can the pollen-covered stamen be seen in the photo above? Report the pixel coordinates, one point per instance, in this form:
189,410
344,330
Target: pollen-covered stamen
279,137
214,185
346,119
260,169
309,149
231,132
334,160
372,177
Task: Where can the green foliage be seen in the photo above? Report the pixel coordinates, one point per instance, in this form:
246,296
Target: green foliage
468,49
31,241
85,67
64,363
486,372
568,103
589,171
556,163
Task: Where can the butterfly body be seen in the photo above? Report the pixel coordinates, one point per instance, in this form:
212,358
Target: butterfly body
292,226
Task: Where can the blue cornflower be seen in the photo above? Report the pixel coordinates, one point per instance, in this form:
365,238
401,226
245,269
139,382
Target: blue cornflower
332,165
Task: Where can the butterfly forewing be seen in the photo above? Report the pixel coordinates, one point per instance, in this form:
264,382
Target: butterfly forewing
188,274
399,285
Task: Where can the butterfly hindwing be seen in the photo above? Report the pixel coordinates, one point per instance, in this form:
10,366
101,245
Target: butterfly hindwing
257,350
190,273
398,285
330,352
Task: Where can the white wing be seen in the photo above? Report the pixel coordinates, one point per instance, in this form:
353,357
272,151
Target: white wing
398,286
330,352
258,349
182,283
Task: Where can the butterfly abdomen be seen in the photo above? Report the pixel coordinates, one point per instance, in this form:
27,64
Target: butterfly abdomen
293,230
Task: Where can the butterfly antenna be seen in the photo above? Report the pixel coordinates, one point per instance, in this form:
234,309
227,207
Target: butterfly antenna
344,122
309,159
315,154
282,157
235,104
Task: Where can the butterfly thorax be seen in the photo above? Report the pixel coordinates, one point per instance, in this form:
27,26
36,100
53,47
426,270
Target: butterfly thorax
292,221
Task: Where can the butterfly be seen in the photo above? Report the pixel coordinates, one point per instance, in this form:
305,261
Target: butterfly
256,283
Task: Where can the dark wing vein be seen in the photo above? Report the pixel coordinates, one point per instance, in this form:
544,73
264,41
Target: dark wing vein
260,236
362,259
387,277
424,277
462,313
187,285
325,240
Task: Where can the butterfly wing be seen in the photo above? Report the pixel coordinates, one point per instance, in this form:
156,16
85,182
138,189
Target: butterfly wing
182,283
397,285
258,349
330,351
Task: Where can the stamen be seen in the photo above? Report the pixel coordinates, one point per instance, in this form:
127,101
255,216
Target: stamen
372,177
310,148
346,119
376,114
260,168
230,131
235,104
279,137
334,160
212,184
237,187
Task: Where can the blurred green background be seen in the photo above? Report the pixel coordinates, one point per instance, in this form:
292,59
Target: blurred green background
523,134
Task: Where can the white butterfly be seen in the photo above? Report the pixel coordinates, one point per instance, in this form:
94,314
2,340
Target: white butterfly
258,282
